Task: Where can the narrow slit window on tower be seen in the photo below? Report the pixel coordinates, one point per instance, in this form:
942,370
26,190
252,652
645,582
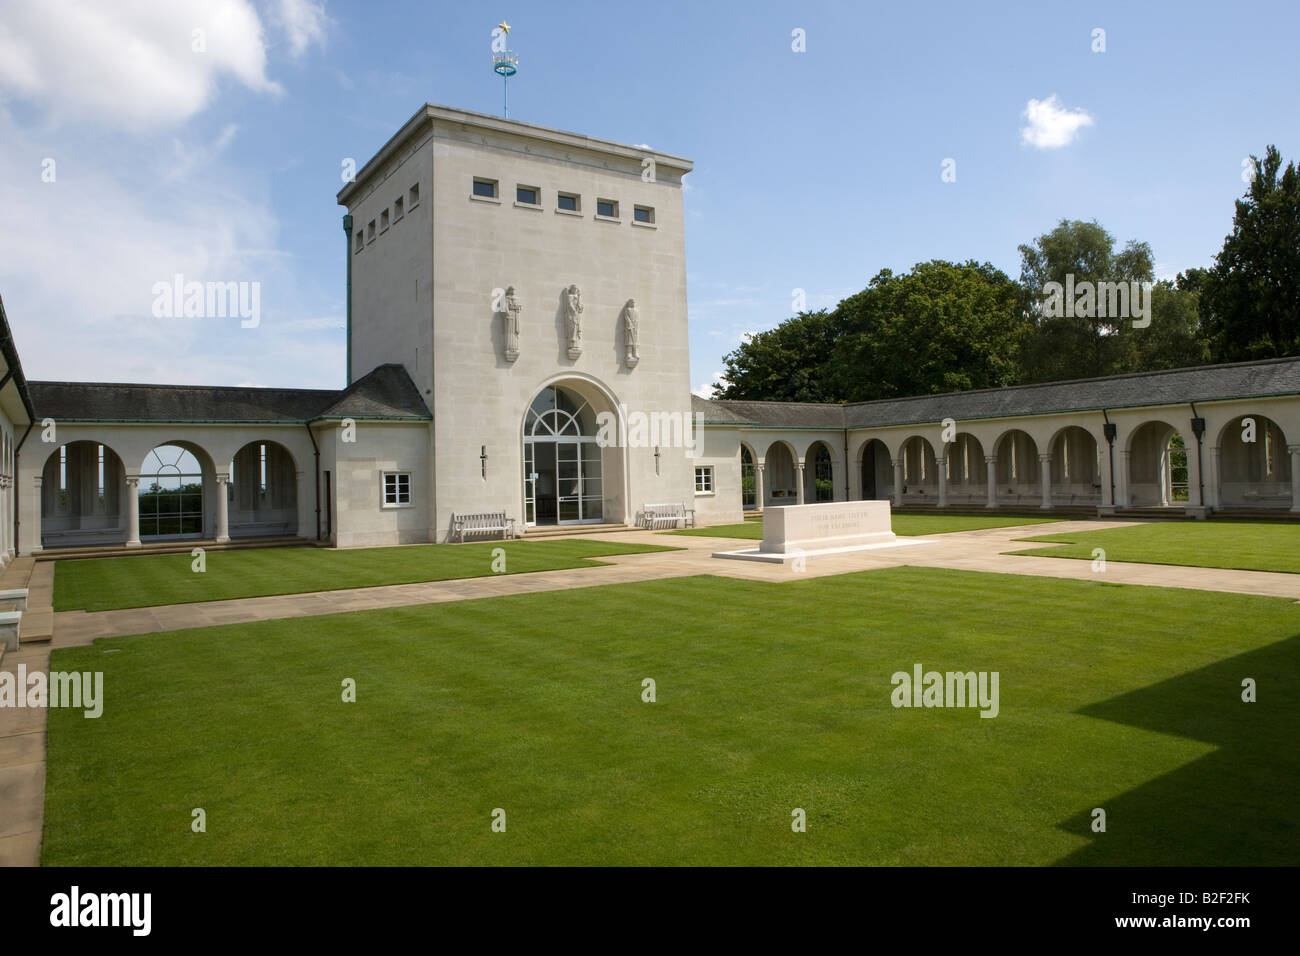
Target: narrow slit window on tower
413,196
398,208
383,221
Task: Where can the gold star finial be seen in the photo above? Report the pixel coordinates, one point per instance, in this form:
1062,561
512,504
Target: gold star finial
504,27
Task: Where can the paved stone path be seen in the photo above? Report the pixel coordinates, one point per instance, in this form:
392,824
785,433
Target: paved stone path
966,550
22,732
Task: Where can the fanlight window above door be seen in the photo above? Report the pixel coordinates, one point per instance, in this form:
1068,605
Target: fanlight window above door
560,413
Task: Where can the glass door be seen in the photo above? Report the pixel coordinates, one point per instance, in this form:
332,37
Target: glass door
568,481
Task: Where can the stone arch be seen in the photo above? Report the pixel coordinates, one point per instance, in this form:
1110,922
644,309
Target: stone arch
780,476
1254,464
570,474
83,496
1076,465
920,470
262,491
177,491
820,472
876,470
1017,469
966,470
1158,473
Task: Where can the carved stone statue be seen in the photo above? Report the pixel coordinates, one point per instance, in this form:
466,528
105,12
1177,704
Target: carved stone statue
510,316
573,320
630,321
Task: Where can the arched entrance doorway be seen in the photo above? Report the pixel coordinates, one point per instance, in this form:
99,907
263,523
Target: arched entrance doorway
563,467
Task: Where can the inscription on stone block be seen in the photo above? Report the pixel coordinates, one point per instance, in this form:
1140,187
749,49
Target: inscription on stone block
832,524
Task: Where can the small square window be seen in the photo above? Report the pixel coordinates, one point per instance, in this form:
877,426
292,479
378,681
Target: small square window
383,221
397,489
704,479
370,231
528,195
361,239
398,207
485,188
568,202
413,196
607,208
645,214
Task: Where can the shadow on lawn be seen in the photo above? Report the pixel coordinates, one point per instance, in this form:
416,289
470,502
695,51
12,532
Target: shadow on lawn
1236,806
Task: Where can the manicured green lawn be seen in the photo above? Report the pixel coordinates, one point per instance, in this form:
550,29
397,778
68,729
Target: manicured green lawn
103,584
1249,546
770,697
905,524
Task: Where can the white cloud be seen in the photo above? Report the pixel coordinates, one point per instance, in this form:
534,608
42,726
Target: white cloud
78,278
1051,125
132,63
305,24
705,390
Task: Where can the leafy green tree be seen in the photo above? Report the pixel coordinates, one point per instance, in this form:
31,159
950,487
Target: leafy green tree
1174,339
1250,303
1077,346
784,363
942,327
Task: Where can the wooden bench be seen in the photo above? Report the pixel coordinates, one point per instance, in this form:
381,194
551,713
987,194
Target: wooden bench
669,515
482,522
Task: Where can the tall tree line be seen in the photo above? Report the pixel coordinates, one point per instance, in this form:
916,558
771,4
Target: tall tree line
1081,308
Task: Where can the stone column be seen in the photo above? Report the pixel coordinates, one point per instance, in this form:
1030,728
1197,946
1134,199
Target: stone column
223,508
941,466
133,511
1121,480
301,528
35,517
991,465
1295,476
759,503
898,482
1213,488
798,472
1045,480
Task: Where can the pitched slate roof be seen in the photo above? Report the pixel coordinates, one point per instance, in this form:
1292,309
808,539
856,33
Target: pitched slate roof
1207,383
385,393
786,414
716,413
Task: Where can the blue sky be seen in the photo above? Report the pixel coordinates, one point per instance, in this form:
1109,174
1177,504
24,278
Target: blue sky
813,170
